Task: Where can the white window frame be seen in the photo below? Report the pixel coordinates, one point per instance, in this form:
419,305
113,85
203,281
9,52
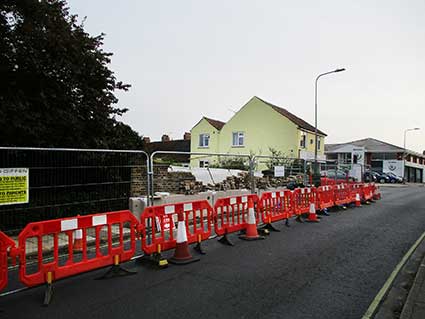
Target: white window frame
204,163
239,135
204,140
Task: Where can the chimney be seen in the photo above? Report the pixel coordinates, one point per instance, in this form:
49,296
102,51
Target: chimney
165,138
146,139
186,136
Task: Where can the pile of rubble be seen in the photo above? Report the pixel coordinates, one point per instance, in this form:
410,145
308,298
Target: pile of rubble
191,187
241,181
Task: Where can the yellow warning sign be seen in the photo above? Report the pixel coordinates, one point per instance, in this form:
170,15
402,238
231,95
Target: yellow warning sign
14,186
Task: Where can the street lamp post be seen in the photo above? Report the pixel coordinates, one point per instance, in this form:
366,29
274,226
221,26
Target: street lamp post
404,147
315,114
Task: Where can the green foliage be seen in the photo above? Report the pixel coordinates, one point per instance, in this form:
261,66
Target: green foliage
231,163
278,158
57,90
293,166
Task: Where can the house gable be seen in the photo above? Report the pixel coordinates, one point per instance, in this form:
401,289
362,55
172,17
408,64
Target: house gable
263,128
303,125
204,126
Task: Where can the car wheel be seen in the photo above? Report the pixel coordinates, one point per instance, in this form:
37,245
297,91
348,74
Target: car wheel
382,180
393,181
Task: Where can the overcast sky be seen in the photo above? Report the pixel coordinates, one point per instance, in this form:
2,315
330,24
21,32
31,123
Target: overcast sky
186,59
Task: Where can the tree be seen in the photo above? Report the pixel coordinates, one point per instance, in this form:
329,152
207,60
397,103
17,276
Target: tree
57,88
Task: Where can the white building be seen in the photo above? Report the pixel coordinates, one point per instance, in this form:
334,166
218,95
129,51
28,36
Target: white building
380,157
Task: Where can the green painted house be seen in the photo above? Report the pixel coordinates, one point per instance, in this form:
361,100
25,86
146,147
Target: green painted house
255,129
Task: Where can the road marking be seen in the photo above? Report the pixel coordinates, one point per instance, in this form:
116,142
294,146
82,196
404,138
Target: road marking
376,302
13,291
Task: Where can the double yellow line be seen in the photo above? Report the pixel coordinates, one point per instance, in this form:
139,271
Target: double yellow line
381,294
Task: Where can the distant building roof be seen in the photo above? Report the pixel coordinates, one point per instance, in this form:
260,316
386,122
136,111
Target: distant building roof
295,119
370,145
216,123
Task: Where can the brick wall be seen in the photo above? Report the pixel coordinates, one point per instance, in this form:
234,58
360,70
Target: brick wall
164,181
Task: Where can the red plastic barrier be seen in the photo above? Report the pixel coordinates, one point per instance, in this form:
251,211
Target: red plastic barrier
48,235
375,191
325,197
276,206
356,188
6,243
342,194
368,191
162,220
231,213
302,198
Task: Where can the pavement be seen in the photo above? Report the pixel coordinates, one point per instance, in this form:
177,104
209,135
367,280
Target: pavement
414,307
331,269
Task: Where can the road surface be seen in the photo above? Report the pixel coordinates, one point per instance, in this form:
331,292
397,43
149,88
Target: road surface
332,269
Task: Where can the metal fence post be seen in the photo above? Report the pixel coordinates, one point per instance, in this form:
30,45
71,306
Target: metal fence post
151,177
251,173
148,186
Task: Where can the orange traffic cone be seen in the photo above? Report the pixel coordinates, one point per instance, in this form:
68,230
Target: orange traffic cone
251,227
182,255
78,240
358,203
312,216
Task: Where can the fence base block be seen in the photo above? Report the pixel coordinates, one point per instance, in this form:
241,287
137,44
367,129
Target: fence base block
225,241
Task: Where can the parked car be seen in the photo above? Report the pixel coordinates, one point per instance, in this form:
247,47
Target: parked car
369,177
394,178
382,178
331,177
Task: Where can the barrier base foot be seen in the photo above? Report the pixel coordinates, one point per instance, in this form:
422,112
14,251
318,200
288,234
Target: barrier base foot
270,227
299,219
245,237
198,249
154,259
116,271
313,221
186,261
263,231
225,241
287,222
48,295
323,212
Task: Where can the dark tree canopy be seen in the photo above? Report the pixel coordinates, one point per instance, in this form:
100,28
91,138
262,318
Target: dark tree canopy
57,89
